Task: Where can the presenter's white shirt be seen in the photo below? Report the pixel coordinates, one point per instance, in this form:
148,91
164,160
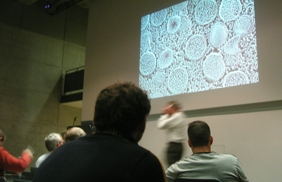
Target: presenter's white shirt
174,125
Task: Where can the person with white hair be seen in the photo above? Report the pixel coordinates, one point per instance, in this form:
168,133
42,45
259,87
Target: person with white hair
52,142
74,133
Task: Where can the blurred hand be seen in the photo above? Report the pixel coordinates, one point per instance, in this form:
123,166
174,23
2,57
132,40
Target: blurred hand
28,152
165,110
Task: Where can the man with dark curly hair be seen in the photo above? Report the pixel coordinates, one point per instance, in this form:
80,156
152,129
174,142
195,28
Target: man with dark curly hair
112,153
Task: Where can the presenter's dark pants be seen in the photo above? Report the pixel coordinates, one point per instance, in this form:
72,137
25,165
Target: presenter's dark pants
174,152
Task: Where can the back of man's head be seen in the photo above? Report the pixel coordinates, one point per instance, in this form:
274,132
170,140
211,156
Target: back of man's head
52,141
74,133
199,133
2,136
122,107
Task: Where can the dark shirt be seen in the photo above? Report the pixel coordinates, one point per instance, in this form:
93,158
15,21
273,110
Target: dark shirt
100,158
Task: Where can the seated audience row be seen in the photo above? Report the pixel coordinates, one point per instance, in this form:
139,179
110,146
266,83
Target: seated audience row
55,140
113,153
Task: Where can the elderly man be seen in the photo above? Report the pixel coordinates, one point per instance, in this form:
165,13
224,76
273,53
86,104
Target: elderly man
205,164
112,153
11,163
52,142
74,133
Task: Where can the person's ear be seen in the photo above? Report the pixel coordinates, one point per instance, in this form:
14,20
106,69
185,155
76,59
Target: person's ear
143,125
211,140
189,143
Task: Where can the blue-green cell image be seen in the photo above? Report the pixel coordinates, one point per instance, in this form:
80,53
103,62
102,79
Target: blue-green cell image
198,45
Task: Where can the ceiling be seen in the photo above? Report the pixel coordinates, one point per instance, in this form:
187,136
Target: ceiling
81,3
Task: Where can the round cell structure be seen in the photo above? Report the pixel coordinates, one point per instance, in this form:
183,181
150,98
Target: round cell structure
147,63
235,78
214,67
205,11
218,35
158,17
231,46
158,79
186,26
145,21
180,6
177,81
173,24
166,58
230,9
146,39
196,47
243,25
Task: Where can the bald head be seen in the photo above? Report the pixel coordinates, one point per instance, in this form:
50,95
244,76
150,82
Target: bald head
74,133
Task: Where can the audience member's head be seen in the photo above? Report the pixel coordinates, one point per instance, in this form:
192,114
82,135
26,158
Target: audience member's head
199,134
2,137
74,133
204,163
63,134
122,108
53,141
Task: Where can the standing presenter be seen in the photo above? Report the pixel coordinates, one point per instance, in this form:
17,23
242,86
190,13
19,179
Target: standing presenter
172,120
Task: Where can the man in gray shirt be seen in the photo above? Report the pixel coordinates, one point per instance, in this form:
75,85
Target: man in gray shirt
205,164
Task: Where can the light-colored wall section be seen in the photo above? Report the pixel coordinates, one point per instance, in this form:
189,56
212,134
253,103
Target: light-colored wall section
69,116
35,50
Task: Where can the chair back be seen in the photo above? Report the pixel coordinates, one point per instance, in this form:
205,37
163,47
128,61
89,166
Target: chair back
195,180
21,180
33,171
26,175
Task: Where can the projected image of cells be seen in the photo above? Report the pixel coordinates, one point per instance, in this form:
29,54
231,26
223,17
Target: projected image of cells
243,25
231,46
158,18
177,81
230,9
180,6
219,34
166,58
145,21
205,11
159,79
173,24
198,45
214,66
145,42
148,63
235,78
